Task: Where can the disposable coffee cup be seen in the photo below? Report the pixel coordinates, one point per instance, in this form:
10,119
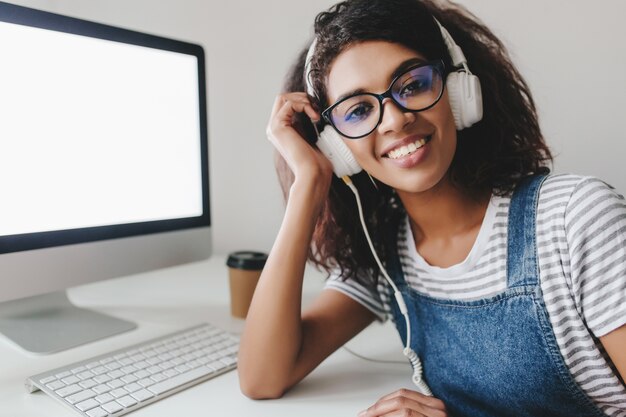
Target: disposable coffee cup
244,270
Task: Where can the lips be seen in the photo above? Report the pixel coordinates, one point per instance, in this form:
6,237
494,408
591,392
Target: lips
406,146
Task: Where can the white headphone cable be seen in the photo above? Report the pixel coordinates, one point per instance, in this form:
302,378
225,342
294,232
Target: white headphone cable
407,351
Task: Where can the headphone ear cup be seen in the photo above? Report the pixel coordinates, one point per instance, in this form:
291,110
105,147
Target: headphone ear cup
466,99
331,145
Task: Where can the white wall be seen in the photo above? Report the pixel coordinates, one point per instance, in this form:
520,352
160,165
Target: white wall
570,52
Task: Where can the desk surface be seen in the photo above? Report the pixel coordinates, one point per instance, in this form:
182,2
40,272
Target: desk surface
168,300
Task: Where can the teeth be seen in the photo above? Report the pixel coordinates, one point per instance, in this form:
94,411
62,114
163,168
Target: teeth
407,149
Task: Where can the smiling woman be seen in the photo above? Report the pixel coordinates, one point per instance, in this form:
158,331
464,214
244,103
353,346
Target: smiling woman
512,279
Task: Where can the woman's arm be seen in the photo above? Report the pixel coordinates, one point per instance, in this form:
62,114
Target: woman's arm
615,345
280,345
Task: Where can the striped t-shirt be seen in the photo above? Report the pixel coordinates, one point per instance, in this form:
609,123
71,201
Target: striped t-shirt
581,248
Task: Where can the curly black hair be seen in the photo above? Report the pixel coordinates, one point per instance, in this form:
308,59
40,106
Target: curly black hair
493,155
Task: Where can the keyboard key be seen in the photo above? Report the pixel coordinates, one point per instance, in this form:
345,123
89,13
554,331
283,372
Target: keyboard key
116,383
118,392
79,370
55,385
112,407
125,361
97,412
63,374
158,377
142,374
170,373
72,389
85,375
154,370
101,379
129,369
129,378
142,395
87,404
179,380
70,380
228,360
113,366
182,368
146,382
127,401
105,398
167,365
88,383
101,389
133,387
48,380
113,374
99,370
217,365
80,396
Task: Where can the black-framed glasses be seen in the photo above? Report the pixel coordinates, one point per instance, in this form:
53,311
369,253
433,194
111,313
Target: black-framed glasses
417,89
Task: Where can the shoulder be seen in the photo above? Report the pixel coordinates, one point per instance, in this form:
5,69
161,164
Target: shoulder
571,194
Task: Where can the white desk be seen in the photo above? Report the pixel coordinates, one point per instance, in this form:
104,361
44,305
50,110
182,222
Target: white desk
168,300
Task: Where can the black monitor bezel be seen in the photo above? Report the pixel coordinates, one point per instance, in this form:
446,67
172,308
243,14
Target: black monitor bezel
51,21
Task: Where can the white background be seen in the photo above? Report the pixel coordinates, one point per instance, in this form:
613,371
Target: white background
570,51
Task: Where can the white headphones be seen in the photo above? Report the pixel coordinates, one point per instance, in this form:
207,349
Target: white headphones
464,94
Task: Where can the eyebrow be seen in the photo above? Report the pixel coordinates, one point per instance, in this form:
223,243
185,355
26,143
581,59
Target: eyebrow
399,70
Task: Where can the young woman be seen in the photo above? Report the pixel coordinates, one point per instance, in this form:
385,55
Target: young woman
514,280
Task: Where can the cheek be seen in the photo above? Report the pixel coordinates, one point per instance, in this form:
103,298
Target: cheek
446,118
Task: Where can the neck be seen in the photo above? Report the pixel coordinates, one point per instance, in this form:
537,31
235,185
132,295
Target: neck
444,211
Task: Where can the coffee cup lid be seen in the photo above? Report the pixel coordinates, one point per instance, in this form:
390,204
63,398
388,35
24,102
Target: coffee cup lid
247,260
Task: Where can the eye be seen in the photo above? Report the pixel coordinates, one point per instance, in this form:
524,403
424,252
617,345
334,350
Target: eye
358,112
415,86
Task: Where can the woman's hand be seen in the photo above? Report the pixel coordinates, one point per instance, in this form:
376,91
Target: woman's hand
404,403
303,160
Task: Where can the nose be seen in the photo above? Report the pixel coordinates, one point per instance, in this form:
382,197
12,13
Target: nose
394,118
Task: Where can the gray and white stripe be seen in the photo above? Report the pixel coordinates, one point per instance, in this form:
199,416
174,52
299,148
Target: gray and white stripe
581,243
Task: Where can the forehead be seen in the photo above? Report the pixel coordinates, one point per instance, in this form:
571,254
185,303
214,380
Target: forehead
367,66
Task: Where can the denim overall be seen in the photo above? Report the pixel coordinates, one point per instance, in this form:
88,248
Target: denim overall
496,356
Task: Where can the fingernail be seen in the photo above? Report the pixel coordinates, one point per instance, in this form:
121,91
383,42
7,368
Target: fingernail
362,413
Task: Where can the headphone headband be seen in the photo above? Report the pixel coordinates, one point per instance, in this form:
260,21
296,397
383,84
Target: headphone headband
455,51
307,68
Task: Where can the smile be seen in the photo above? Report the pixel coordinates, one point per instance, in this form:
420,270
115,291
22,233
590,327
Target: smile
405,150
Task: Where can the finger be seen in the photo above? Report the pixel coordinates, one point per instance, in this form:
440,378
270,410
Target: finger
284,116
425,399
402,406
297,97
406,400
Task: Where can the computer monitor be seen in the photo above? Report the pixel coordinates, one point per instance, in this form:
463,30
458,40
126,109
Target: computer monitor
103,167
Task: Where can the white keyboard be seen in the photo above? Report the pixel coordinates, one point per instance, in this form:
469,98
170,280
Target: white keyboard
127,379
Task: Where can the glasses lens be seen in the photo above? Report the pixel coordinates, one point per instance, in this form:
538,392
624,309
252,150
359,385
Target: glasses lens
356,116
418,88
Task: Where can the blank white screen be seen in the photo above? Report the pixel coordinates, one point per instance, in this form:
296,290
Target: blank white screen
95,132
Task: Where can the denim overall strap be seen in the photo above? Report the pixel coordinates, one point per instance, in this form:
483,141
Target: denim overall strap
521,263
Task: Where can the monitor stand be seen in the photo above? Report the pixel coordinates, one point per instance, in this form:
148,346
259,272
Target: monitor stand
50,323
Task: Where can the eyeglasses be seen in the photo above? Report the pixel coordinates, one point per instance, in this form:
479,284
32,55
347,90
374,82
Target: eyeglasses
417,89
